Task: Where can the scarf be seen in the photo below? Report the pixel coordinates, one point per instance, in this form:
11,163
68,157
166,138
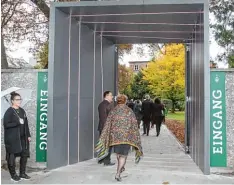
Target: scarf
120,128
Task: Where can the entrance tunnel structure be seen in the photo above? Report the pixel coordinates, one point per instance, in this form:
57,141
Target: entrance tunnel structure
83,63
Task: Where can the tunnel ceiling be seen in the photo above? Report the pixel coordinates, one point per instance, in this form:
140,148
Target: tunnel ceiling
144,21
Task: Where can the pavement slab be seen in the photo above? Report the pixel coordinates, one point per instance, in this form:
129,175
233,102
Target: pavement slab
164,162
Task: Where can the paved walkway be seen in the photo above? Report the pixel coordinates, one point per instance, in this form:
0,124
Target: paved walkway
164,162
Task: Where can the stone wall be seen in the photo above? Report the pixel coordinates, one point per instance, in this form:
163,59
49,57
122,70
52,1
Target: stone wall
230,116
23,78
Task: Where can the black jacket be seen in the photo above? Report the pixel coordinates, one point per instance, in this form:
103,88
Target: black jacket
131,105
12,136
147,110
104,109
156,110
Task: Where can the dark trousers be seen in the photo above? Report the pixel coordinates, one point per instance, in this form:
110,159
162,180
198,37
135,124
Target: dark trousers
163,119
146,126
11,163
158,122
139,123
107,159
23,159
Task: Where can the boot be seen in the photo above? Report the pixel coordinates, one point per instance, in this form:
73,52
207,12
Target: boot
14,176
23,163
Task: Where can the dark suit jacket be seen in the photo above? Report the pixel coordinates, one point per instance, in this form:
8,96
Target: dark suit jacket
104,109
147,110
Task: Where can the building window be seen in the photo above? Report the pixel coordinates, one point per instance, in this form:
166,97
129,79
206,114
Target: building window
136,68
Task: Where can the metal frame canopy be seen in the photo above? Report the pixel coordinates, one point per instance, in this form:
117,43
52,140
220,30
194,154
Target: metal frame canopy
83,64
142,21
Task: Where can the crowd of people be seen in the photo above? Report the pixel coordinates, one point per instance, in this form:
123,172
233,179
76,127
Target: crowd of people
149,112
119,124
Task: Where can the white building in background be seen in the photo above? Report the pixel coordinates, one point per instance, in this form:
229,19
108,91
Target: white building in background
136,66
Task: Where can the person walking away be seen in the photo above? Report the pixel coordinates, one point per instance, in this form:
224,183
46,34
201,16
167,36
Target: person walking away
104,109
120,132
157,115
146,111
165,112
138,113
131,104
16,137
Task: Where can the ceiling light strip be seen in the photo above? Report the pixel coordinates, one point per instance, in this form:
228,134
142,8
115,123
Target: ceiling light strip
145,37
130,14
140,23
128,31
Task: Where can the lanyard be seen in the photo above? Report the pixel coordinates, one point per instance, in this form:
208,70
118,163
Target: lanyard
17,113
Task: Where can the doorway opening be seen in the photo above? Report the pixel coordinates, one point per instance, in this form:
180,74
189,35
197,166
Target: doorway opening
83,63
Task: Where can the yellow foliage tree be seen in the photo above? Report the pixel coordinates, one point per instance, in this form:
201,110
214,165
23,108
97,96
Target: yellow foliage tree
166,74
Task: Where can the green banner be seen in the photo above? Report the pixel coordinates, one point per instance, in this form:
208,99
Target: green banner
42,104
218,151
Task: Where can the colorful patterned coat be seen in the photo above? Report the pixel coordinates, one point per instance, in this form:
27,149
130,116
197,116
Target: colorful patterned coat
120,128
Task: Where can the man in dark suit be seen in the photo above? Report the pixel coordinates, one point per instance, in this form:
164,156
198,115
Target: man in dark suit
104,109
146,111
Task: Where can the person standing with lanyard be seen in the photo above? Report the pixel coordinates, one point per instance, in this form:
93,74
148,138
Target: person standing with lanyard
16,137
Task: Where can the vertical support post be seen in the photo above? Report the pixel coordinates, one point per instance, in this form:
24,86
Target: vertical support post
50,112
206,90
187,110
94,68
79,94
116,71
102,63
69,84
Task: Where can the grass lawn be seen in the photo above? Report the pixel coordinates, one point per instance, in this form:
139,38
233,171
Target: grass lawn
176,116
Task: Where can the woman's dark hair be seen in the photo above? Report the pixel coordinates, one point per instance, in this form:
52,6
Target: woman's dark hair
13,95
157,101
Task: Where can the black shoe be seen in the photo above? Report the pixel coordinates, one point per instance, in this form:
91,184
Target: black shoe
157,135
24,176
109,164
15,178
118,178
143,134
100,162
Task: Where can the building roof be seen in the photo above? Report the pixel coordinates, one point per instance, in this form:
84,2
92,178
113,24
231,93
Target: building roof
139,61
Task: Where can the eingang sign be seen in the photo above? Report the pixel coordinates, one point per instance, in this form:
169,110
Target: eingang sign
218,150
42,106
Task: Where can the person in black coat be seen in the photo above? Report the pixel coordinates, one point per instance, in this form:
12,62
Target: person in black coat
131,104
104,109
16,137
147,112
157,115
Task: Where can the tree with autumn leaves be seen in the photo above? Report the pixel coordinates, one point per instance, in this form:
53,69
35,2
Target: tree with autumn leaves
166,74
125,77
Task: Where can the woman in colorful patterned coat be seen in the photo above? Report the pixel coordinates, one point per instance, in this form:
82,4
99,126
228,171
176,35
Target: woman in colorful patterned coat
121,132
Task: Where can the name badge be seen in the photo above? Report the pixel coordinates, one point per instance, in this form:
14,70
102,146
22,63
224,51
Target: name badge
21,121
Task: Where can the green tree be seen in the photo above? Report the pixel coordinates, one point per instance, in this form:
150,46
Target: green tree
139,86
43,57
223,28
